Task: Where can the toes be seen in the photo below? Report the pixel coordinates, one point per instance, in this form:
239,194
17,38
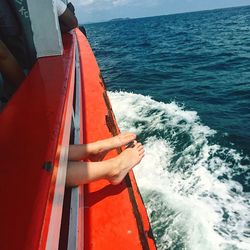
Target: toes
141,156
141,151
132,135
128,135
139,147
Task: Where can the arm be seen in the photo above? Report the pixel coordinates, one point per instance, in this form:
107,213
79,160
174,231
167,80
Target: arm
10,68
68,21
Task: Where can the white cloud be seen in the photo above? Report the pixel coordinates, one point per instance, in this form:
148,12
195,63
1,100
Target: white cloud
120,2
100,2
83,2
92,6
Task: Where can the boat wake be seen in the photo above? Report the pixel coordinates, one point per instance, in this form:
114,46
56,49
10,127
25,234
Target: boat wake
192,186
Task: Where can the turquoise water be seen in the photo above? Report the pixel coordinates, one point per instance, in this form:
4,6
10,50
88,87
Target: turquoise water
182,83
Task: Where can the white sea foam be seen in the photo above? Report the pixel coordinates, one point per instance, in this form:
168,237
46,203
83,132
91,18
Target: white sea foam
191,205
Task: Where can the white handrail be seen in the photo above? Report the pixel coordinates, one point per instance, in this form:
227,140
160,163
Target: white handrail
75,241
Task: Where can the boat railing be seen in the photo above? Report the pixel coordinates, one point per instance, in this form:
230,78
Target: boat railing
76,217
34,139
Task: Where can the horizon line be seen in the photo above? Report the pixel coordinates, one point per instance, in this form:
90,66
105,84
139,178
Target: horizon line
170,14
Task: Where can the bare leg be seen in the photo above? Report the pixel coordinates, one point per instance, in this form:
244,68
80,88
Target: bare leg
113,170
82,151
10,68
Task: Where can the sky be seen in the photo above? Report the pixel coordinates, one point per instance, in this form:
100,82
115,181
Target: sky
88,11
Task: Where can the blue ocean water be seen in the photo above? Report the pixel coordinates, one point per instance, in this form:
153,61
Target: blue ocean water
182,83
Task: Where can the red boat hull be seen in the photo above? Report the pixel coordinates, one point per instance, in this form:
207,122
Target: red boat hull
34,138
115,216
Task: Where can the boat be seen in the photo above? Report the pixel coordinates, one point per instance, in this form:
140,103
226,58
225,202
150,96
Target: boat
63,100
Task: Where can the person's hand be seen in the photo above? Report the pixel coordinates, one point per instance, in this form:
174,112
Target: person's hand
71,7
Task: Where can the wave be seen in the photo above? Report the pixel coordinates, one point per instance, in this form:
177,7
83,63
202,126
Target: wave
187,180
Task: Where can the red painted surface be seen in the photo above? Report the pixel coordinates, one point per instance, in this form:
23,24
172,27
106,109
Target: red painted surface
109,221
30,135
31,132
53,214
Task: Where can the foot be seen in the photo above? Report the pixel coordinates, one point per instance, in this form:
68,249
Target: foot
97,150
123,163
111,143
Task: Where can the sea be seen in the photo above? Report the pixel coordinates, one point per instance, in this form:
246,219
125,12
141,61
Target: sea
182,84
